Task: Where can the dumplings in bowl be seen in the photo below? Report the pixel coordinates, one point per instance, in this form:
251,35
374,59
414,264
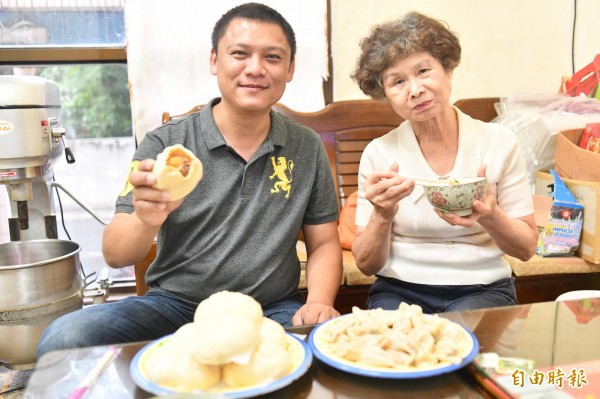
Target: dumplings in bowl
456,195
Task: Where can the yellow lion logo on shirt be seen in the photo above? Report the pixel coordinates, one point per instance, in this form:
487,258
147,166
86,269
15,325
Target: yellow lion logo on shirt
282,169
128,186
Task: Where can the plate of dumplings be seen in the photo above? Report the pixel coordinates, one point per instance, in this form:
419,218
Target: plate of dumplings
398,344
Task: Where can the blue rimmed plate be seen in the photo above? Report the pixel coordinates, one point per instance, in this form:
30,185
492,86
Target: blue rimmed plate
321,352
301,358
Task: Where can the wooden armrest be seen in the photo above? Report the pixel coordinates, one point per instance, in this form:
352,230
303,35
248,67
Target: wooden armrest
140,271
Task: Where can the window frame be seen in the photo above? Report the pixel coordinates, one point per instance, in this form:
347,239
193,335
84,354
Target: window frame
62,55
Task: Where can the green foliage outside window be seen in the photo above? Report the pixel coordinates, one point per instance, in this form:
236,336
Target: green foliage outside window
94,99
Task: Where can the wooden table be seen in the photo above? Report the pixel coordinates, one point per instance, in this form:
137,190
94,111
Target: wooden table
550,333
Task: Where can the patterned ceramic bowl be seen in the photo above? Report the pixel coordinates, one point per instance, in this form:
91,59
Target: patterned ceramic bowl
457,197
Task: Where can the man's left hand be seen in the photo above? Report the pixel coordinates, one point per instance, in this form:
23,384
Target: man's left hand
314,313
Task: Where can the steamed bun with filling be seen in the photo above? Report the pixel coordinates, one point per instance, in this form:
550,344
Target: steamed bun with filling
269,361
171,364
178,171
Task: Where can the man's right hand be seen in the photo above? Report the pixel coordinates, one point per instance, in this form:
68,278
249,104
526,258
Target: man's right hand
151,205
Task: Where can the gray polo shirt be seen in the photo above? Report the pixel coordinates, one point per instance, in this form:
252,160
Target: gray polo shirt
238,229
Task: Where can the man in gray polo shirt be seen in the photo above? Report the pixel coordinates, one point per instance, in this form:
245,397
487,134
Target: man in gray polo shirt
265,178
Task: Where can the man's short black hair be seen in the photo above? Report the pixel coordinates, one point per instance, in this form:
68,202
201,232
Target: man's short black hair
258,12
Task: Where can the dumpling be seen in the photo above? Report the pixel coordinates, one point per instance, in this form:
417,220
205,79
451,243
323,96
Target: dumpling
375,356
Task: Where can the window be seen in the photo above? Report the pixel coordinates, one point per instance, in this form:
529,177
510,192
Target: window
80,45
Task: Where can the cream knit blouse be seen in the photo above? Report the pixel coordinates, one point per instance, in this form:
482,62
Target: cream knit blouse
424,248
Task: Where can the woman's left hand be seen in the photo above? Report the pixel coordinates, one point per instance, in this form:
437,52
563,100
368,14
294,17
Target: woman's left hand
516,237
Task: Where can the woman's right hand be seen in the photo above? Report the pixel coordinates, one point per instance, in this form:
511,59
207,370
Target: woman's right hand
385,189
152,206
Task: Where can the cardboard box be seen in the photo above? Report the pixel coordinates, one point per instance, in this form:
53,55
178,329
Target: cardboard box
572,161
587,194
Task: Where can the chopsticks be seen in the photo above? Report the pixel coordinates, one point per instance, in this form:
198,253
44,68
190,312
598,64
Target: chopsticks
94,374
421,180
488,383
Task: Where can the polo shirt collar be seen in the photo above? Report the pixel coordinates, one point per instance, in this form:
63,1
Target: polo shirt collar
278,132
214,139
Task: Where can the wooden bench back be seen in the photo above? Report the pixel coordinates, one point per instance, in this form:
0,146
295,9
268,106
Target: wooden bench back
346,127
167,117
483,108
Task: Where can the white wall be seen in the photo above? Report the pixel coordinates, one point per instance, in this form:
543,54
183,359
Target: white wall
508,46
168,47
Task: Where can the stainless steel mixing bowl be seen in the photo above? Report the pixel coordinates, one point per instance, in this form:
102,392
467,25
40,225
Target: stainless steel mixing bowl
40,280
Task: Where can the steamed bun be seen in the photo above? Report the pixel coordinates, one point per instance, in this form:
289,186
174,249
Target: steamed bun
269,361
172,365
228,303
178,171
272,331
229,342
225,338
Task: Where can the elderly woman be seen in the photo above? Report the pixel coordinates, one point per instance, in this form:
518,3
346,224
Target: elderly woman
420,255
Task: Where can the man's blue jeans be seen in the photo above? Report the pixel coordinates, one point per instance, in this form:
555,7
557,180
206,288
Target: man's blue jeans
137,318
